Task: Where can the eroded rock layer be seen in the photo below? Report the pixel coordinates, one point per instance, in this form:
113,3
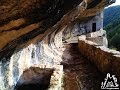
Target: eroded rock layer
31,33
21,21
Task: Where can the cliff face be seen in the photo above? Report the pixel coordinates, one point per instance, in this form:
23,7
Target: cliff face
31,33
22,21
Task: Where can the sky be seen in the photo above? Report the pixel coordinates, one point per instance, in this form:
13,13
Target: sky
117,3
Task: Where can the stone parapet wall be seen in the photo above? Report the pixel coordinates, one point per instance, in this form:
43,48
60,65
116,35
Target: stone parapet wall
98,37
99,40
98,33
105,59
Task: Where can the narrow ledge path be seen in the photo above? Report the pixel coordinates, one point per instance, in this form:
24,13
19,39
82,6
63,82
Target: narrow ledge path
79,73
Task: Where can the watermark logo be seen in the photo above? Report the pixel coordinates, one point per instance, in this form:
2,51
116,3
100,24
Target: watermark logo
110,82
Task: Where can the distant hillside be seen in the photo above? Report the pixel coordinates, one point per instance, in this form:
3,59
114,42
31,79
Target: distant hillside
112,26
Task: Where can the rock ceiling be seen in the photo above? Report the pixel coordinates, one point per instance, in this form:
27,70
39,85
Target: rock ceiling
29,21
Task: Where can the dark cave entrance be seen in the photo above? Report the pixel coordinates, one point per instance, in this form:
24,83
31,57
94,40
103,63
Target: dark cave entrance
94,27
35,78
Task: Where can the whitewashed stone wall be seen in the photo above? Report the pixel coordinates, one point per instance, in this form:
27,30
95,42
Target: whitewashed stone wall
98,37
98,19
70,35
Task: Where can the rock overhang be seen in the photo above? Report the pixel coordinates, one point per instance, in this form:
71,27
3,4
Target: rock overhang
21,21
31,33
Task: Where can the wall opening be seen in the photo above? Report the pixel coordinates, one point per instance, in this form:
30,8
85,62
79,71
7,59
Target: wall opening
94,27
35,78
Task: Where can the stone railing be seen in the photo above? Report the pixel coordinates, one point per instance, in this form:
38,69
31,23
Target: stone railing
98,37
105,59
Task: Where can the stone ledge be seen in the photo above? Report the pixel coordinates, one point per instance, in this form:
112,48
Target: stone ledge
105,59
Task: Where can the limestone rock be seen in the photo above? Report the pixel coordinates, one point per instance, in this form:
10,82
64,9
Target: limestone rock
30,33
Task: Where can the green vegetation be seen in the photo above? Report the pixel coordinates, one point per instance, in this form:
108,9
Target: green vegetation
112,26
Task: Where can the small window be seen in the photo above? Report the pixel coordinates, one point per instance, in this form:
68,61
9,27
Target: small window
94,27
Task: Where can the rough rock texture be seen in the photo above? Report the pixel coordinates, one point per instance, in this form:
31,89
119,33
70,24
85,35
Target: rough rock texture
80,74
35,75
105,59
30,33
22,22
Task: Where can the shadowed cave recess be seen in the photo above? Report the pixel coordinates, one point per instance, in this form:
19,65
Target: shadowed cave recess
34,78
40,44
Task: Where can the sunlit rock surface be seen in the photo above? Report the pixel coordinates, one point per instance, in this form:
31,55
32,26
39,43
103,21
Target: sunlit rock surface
31,33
